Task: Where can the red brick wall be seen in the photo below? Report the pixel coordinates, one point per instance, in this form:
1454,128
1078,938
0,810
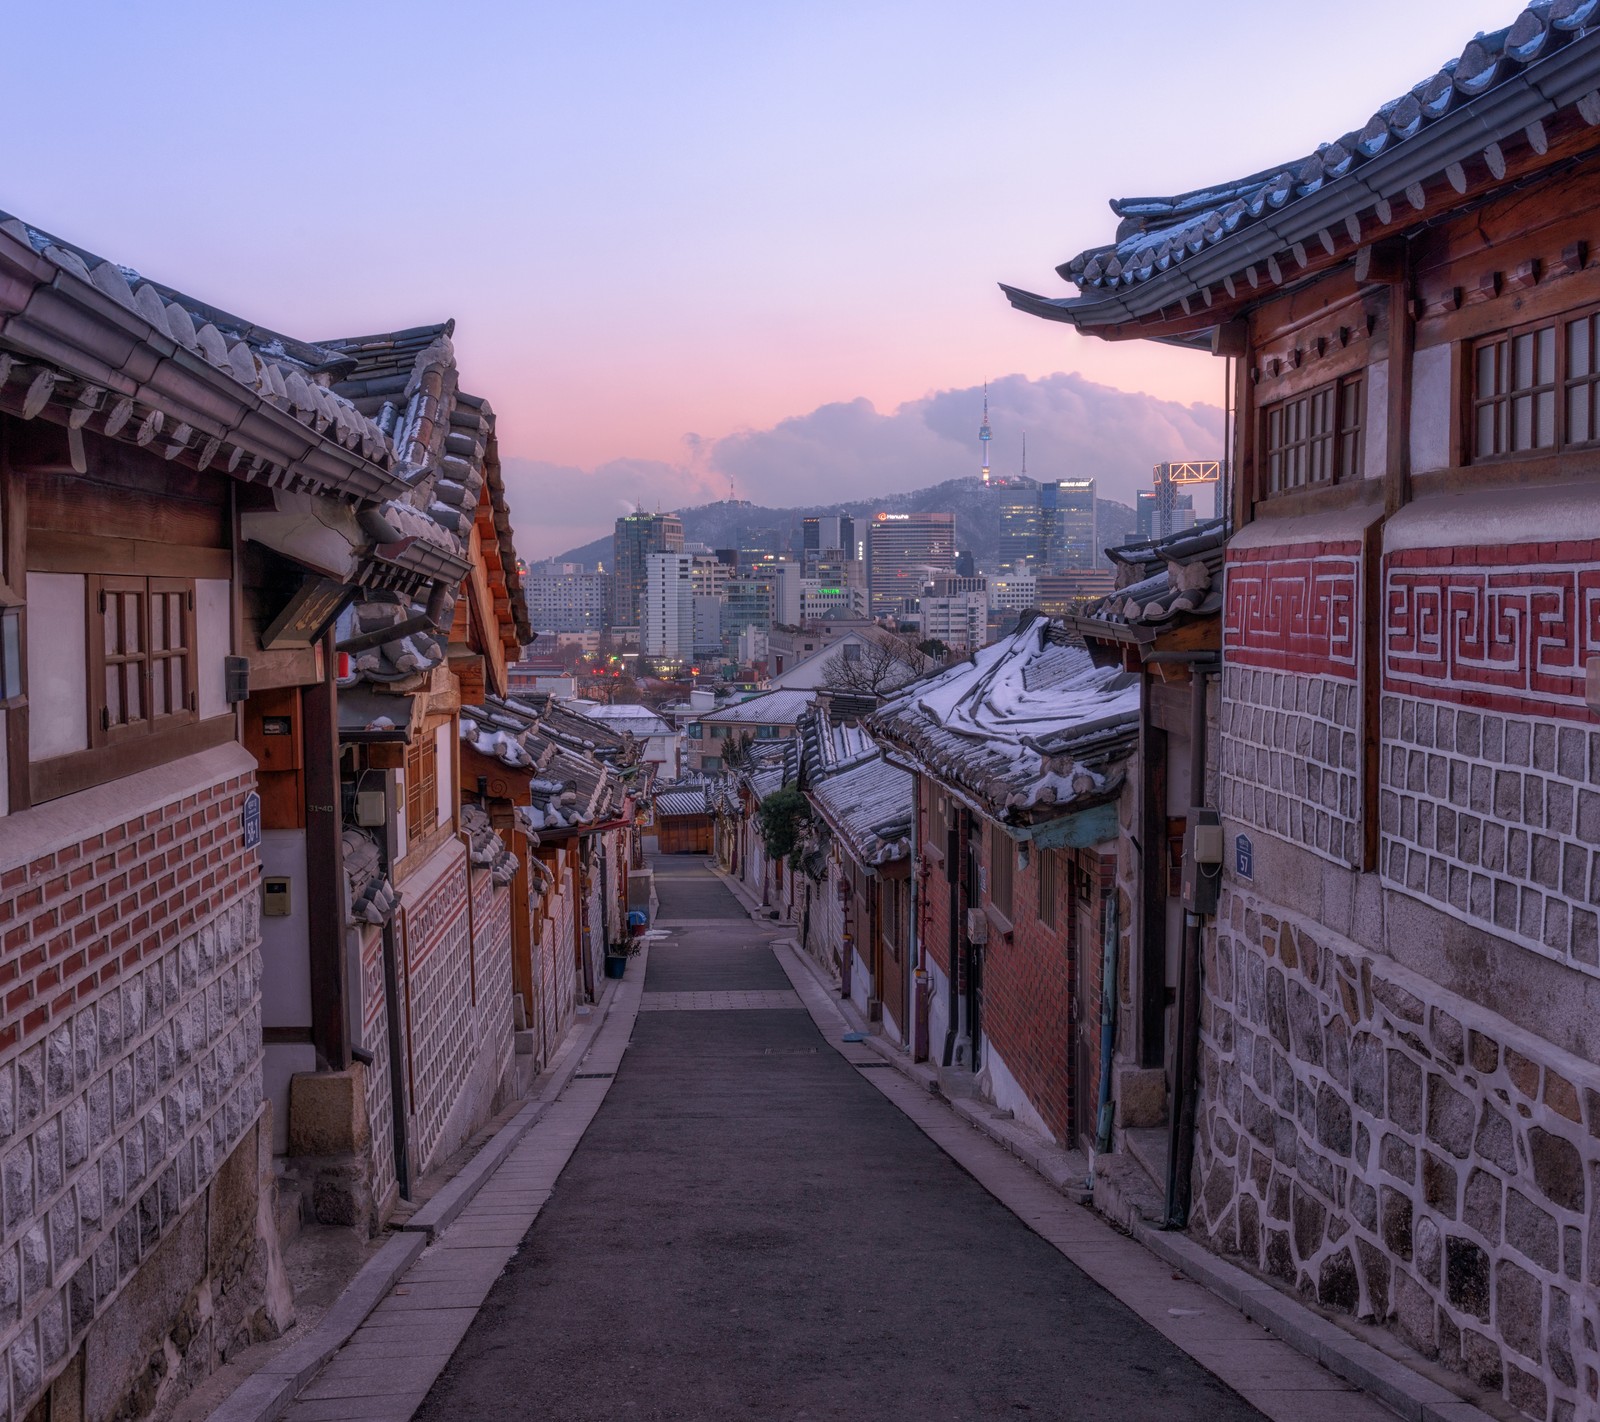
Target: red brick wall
74,921
1027,998
130,1054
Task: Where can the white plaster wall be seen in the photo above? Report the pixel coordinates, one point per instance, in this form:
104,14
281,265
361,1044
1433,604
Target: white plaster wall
1430,409
1375,458
285,942
213,631
445,776
1003,1089
938,1011
860,982
279,1062
58,664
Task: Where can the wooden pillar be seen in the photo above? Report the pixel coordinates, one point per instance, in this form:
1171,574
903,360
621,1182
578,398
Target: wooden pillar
330,989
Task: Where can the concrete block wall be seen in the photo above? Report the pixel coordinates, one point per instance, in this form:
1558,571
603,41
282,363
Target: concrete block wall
130,1071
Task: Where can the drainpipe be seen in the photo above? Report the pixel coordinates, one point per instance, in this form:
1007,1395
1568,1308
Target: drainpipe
1108,1020
1186,1051
426,622
391,1008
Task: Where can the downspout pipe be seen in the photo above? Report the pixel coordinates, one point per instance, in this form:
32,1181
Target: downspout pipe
425,622
1180,1141
1108,1020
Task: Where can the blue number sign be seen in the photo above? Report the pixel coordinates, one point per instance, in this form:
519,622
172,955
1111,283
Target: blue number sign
1243,857
252,820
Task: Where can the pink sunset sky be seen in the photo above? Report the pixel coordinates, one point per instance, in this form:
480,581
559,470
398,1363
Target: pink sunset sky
667,231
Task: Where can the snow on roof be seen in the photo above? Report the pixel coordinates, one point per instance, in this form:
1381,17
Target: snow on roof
772,708
1165,578
641,720
1158,234
681,802
1028,725
869,803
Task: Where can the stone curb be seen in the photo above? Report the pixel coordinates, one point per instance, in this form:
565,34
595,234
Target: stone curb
267,1393
1405,1392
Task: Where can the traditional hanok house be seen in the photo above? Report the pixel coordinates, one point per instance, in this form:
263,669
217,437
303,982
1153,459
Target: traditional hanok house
855,912
764,767
683,820
770,716
1400,1067
1162,624
1018,755
567,816
138,430
388,1033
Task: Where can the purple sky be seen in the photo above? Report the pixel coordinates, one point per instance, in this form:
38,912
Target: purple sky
659,226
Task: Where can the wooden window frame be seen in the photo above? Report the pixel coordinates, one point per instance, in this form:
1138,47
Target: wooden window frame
422,789
102,731
1559,388
1049,896
1002,851
1332,453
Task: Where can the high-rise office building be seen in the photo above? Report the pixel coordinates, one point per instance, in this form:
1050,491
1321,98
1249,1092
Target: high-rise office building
1148,514
749,604
667,631
1018,498
831,532
562,597
1069,524
637,536
903,550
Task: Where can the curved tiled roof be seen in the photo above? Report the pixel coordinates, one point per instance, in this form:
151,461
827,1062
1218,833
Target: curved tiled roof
1028,726
1553,44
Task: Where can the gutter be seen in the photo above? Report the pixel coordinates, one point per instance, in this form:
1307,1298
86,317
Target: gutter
63,321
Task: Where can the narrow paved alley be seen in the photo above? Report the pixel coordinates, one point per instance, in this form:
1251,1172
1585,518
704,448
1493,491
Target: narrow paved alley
749,1229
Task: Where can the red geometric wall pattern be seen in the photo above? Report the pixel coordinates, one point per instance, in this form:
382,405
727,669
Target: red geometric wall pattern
1505,627
1293,609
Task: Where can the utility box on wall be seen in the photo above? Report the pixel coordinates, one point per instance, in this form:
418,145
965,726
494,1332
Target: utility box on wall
272,734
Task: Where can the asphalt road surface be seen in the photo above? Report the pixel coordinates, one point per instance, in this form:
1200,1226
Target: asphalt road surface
750,1230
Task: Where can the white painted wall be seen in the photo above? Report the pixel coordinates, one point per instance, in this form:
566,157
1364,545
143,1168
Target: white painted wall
444,744
213,635
285,942
997,1083
1430,409
1375,457
58,664
938,1011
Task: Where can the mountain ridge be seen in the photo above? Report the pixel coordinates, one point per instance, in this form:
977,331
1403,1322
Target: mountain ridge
724,523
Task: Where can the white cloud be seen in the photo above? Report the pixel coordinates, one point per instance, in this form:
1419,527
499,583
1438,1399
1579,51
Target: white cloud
849,450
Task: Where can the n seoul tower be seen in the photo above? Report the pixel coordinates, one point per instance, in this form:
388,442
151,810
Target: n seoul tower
984,433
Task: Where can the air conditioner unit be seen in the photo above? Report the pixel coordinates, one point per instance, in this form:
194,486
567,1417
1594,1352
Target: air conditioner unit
977,926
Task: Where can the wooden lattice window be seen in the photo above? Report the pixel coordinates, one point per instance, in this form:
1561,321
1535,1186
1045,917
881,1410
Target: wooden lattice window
1315,438
141,648
1514,392
422,787
1048,865
1002,861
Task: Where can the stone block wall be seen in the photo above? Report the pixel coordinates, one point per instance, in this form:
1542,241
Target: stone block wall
384,1182
1403,1154
130,1065
438,992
